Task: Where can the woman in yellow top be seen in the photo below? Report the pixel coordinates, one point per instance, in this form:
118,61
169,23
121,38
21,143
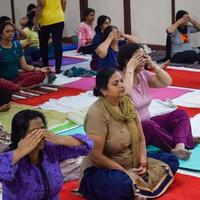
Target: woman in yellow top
50,20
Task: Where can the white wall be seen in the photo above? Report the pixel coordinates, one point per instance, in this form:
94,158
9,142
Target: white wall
72,14
192,6
112,8
72,17
20,8
5,8
149,20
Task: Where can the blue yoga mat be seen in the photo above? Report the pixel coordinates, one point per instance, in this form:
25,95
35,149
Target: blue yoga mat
192,164
73,131
68,61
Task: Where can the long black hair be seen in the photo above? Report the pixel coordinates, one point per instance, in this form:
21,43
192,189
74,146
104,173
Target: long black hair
179,15
20,125
102,79
100,21
31,17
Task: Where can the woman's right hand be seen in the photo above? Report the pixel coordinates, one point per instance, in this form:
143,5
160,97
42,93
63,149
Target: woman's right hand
136,61
30,142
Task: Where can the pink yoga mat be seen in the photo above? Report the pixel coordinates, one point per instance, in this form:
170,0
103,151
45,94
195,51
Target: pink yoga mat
85,83
167,93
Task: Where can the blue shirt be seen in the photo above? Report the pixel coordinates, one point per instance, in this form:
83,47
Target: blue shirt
9,61
110,61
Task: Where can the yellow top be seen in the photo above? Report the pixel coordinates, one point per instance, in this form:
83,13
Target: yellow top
52,13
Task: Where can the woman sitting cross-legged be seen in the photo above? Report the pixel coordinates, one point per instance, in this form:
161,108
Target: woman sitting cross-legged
105,55
172,131
12,59
118,167
30,169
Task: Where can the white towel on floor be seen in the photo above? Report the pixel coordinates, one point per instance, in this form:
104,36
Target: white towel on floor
158,107
191,99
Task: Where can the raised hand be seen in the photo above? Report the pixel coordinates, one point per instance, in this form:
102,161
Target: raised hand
30,142
51,137
136,60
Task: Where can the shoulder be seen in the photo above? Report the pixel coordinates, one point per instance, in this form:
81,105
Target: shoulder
96,108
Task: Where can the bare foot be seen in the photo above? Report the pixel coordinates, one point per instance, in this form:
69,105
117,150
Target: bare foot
182,154
140,197
165,64
196,140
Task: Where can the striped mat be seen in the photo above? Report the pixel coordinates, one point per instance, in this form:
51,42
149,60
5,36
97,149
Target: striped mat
35,91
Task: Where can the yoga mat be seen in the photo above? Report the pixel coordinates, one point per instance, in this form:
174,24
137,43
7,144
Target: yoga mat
62,127
190,111
53,117
73,131
86,83
194,162
184,187
66,60
35,101
184,78
167,93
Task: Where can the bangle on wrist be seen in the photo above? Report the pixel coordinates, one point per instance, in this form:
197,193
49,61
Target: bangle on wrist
34,68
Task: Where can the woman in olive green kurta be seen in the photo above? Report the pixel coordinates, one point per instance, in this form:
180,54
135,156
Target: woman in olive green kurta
119,157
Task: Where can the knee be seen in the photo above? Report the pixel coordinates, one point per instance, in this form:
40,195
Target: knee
171,160
181,114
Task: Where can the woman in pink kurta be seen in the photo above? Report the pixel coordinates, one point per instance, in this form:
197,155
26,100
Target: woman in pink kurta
86,32
171,132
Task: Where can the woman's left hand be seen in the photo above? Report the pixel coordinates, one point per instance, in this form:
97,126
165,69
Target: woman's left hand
45,70
149,62
140,170
51,137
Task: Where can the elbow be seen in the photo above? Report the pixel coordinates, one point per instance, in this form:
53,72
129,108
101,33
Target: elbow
101,53
168,82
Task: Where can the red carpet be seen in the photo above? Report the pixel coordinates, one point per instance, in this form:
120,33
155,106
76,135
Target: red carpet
43,98
190,111
184,78
184,187
66,193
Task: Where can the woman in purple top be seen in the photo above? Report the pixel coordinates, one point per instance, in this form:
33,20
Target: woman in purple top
30,169
171,132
